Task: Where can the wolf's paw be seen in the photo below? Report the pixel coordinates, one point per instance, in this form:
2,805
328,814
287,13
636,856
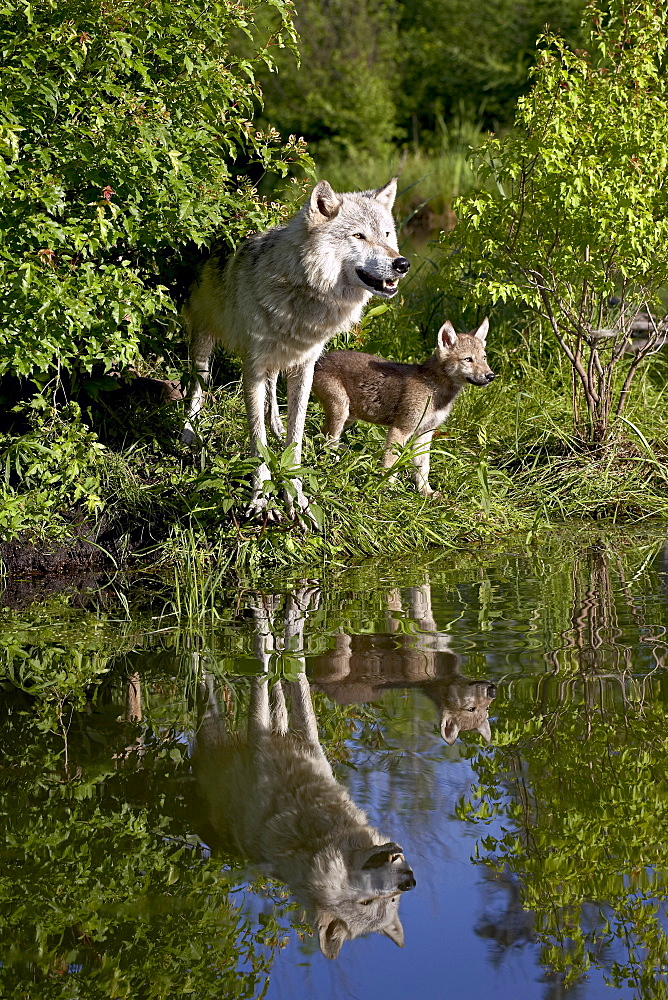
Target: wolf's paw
188,437
298,509
278,430
260,510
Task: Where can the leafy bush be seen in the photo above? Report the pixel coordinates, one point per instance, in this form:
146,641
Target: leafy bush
121,123
577,230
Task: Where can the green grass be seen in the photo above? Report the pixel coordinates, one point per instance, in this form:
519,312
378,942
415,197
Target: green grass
505,464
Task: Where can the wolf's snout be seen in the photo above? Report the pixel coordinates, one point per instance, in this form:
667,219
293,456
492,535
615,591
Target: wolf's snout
407,883
491,690
400,264
490,376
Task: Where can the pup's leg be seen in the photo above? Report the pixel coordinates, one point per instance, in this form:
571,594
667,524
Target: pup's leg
201,349
421,463
271,414
299,389
335,402
336,419
396,437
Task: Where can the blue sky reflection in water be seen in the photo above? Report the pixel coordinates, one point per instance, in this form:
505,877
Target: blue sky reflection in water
540,858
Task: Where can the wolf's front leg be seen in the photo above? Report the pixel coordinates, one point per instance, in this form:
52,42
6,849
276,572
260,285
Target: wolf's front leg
255,391
421,463
271,413
299,382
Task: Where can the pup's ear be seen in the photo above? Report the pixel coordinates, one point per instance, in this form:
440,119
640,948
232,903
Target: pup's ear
485,731
446,336
325,202
395,931
386,195
481,332
449,729
332,933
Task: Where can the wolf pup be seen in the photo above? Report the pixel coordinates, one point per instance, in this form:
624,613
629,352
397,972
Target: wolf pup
412,400
361,668
281,297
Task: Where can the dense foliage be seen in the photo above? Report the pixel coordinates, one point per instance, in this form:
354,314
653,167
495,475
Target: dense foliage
576,228
126,134
385,70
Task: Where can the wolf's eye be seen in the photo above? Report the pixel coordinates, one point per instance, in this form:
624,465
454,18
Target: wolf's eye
359,236
468,359
471,709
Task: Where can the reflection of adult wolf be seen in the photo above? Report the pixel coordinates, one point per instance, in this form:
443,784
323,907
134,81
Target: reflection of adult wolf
272,798
282,296
361,667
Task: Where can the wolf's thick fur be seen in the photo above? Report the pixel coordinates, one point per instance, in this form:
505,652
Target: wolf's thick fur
361,667
412,400
282,296
273,800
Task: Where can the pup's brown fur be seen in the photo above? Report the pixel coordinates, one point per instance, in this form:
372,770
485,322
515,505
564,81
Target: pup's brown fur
412,400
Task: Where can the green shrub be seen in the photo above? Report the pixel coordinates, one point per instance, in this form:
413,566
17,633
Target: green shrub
577,230
341,95
126,136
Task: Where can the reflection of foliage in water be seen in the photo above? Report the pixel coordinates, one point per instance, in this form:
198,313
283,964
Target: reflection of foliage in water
578,783
577,773
100,886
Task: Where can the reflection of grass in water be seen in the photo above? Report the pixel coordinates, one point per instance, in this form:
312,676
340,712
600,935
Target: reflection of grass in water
103,887
579,785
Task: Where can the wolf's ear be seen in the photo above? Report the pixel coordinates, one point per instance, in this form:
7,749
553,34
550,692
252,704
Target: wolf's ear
325,202
449,729
387,194
481,332
332,934
395,931
485,730
446,336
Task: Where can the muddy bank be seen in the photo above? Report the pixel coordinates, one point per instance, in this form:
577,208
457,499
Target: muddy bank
33,570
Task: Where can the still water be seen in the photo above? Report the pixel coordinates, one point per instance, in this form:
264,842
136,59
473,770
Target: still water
396,782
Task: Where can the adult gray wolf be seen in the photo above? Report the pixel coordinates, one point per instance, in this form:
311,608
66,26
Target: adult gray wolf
360,668
273,800
412,400
281,297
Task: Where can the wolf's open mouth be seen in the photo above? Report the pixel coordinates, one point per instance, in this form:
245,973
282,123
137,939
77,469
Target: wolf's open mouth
383,286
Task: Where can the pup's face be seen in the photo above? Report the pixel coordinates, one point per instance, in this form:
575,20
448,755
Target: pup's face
465,707
463,356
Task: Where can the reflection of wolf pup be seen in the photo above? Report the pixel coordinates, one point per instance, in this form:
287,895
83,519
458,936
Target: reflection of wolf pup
273,799
361,667
409,399
282,296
